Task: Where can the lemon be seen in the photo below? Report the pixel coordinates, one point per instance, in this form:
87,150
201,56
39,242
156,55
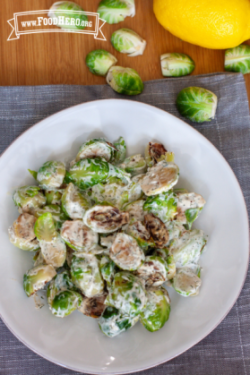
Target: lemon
216,24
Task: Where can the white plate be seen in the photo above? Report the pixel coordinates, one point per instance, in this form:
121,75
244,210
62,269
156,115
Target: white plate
76,342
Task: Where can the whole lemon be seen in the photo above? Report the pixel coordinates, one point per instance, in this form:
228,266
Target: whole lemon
207,23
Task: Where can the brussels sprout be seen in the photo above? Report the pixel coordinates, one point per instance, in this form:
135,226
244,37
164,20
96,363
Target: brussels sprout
28,198
53,196
86,275
74,204
22,235
68,15
94,148
44,228
115,11
126,253
36,278
78,236
60,283
127,293
197,104
139,232
187,249
176,64
128,41
189,205
154,153
100,61
135,210
135,165
237,59
107,268
120,152
186,282
154,271
113,322
171,266
125,80
54,252
160,178
51,175
157,309
65,303
157,229
163,206
58,216
93,307
105,219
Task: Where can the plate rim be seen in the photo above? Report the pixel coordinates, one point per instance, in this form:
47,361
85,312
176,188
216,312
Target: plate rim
142,104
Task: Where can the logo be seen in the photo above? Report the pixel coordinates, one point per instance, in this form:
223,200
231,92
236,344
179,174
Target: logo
40,21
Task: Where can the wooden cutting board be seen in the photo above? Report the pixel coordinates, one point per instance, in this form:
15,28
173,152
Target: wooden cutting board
54,58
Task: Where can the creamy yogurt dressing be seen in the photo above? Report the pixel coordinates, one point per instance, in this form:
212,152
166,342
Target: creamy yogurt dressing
54,252
79,235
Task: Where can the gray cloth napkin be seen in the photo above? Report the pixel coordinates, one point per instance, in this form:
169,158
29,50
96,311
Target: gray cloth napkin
226,351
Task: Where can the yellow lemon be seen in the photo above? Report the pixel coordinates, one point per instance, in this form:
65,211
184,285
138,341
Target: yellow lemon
208,23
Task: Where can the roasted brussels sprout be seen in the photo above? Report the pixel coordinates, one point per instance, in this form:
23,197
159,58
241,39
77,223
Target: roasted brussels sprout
128,41
74,204
171,266
154,271
125,80
135,210
186,282
189,205
176,64
78,236
29,198
86,275
36,278
93,307
58,216
53,197
160,178
22,234
51,175
157,309
105,219
113,322
100,61
127,293
60,283
138,231
157,229
68,15
115,11
154,153
94,148
126,253
120,152
107,268
65,303
237,59
134,165
197,104
163,206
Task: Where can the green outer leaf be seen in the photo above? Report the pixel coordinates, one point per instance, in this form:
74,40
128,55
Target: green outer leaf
33,174
176,64
191,215
120,154
100,61
125,80
65,303
45,228
237,59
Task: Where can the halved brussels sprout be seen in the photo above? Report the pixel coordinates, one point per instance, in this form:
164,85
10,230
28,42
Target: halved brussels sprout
154,271
60,283
58,216
100,61
171,266
157,309
126,253
187,249
154,153
197,104
86,275
44,228
186,282
160,178
22,234
176,64
94,148
163,206
107,268
53,197
68,15
128,41
138,231
113,322
157,229
105,219
51,175
28,198
134,165
189,205
125,80
65,303
36,278
78,236
93,307
127,293
74,204
115,11
120,152
54,252
237,59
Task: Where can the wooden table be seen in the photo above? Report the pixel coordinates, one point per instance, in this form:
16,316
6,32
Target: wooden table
56,58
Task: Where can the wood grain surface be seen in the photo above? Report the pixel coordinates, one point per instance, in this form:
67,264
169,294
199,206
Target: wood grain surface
56,58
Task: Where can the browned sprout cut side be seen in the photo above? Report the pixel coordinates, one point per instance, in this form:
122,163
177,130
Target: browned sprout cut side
157,229
93,307
105,219
78,236
22,235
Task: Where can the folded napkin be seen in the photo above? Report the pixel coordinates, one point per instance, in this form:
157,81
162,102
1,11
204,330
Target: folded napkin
226,351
